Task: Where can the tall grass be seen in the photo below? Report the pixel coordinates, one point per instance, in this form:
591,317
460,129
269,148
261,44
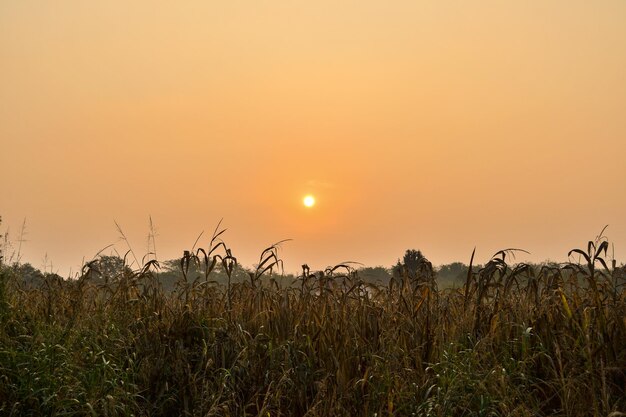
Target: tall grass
514,341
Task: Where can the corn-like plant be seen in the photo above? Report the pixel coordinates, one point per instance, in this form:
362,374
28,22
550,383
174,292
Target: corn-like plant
515,340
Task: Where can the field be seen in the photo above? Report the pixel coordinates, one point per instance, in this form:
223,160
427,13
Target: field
514,340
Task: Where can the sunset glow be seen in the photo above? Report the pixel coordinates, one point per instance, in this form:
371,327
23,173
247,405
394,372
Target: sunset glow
431,125
323,208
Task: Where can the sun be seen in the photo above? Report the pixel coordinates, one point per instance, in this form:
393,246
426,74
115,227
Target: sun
309,201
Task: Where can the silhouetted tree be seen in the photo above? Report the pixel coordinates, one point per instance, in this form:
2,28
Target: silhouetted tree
376,274
415,265
109,268
27,275
456,272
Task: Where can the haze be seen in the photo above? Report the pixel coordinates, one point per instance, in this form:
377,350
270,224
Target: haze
439,126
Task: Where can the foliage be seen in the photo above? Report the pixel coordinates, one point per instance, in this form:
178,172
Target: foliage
375,275
514,340
415,266
454,274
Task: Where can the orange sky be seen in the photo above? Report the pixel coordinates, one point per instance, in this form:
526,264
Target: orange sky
438,125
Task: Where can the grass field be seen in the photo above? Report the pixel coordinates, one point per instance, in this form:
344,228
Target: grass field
513,341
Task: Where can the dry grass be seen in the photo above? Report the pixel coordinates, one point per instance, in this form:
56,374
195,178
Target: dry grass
514,341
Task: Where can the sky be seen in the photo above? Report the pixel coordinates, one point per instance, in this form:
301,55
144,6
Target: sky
435,125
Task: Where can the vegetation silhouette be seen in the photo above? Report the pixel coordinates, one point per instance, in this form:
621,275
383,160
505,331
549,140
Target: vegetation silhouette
203,336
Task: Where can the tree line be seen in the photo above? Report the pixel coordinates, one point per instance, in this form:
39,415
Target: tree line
110,268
